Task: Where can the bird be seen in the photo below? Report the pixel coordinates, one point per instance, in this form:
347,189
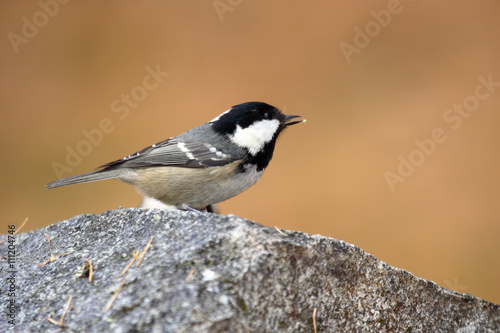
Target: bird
203,166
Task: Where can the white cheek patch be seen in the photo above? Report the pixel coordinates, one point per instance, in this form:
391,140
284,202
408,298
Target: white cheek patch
255,136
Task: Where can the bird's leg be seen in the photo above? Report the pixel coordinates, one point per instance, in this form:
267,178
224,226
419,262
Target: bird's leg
189,208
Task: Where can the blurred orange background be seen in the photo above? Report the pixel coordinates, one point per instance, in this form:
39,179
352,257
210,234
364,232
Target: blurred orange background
373,79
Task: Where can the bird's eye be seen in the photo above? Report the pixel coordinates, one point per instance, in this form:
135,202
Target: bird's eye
267,115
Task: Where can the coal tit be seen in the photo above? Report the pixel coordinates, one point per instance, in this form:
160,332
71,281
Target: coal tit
205,165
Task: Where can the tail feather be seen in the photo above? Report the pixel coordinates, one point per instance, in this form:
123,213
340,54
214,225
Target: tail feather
85,178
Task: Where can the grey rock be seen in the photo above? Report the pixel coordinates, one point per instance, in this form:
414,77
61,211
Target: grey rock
244,278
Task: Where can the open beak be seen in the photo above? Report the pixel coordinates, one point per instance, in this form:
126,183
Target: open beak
288,121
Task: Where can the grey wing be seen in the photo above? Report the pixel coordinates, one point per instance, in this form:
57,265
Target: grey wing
173,152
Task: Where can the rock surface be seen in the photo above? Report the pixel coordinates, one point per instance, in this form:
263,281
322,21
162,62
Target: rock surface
214,273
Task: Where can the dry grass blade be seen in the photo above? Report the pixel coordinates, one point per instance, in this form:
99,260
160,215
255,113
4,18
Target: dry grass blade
66,308
48,238
52,258
115,295
281,232
18,229
190,275
91,270
135,254
53,321
144,252
314,320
